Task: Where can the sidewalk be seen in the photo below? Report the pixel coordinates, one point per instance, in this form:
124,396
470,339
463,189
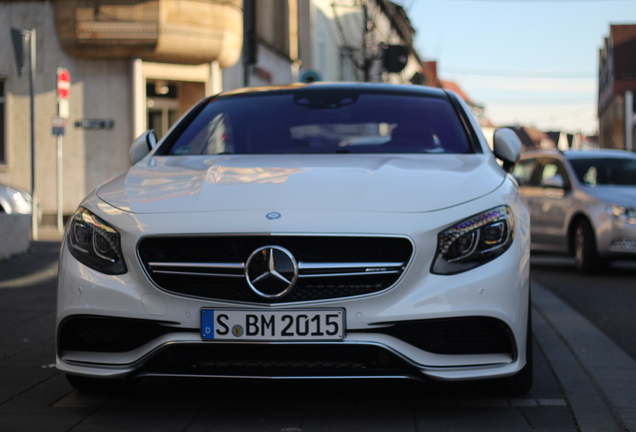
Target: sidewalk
598,378
49,233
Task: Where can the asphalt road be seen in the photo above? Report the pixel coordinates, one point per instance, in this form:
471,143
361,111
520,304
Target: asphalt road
608,300
568,395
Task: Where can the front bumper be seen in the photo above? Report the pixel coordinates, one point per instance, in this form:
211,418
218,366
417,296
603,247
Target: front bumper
615,240
496,292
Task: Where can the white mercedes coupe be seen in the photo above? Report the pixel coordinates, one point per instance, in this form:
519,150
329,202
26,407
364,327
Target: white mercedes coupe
317,231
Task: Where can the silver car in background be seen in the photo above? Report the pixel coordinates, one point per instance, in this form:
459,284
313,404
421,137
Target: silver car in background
582,203
14,200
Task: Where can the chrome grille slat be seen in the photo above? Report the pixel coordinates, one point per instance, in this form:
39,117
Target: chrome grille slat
327,269
321,266
186,273
326,275
232,266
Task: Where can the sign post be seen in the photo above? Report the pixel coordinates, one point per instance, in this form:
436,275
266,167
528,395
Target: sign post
58,126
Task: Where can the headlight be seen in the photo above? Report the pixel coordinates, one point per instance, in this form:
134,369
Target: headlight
474,241
95,244
622,214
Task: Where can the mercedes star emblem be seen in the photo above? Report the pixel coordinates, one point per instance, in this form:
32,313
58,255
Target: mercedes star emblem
271,271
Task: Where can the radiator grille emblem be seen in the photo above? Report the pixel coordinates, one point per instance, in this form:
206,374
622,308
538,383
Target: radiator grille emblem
271,271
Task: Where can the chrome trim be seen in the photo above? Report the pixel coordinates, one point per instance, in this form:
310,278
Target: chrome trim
229,275
233,266
280,378
357,269
352,265
272,271
370,273
85,359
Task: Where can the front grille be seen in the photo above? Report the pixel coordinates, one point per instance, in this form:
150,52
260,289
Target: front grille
471,335
213,267
282,360
106,334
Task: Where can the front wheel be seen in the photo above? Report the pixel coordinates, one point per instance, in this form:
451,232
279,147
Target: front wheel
585,255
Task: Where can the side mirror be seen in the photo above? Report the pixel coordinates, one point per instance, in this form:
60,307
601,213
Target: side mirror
142,146
507,147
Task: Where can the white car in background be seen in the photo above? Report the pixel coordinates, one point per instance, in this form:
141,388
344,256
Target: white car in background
262,238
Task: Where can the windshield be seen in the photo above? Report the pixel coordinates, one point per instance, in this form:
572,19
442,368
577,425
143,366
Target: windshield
323,122
605,172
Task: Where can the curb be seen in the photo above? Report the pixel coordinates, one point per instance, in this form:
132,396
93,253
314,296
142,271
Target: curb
598,378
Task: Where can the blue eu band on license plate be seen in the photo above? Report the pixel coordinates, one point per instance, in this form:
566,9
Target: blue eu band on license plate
241,324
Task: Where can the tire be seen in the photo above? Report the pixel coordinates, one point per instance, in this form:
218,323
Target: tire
585,255
96,385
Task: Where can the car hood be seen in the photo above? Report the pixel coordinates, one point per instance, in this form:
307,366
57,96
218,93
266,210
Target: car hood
344,182
621,195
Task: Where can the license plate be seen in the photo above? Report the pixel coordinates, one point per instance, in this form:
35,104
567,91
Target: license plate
240,324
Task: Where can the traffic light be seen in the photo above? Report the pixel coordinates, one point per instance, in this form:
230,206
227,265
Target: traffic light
394,58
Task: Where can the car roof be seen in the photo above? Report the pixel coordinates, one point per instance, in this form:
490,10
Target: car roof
599,154
342,86
581,154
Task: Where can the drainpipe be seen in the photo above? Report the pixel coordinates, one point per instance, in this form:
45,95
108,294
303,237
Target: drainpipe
629,121
139,124
250,45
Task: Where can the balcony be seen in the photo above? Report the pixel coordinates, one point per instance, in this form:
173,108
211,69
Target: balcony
168,31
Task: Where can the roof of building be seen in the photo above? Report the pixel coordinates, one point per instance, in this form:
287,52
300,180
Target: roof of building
454,87
532,138
430,70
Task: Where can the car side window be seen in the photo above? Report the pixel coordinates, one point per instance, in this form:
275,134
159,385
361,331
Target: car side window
523,171
553,174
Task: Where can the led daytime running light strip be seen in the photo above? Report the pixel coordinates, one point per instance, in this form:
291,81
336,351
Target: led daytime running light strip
448,237
90,218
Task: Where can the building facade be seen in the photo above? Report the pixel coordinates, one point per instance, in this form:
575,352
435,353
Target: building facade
617,86
141,64
349,40
133,65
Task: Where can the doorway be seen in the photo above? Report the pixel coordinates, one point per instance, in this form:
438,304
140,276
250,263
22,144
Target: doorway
162,102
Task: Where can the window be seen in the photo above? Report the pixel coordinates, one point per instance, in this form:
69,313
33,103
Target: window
348,67
322,122
3,149
163,106
273,23
523,171
605,171
553,175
